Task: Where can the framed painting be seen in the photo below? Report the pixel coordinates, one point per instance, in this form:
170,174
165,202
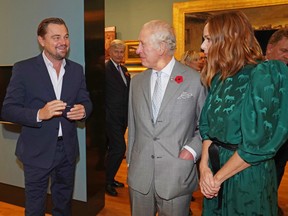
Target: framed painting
110,35
192,15
131,57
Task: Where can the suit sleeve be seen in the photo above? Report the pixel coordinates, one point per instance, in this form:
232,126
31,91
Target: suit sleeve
196,143
131,123
13,109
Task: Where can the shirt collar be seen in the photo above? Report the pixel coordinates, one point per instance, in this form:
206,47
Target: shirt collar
114,63
167,70
49,63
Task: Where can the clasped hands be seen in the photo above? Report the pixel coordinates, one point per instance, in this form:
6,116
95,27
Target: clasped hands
209,185
56,108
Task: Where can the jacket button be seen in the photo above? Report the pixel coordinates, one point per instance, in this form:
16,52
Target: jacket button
152,156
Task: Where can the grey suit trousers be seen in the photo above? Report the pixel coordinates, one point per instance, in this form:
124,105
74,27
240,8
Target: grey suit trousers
150,204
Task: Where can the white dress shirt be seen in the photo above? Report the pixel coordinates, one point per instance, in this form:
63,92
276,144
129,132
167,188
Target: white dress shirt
56,80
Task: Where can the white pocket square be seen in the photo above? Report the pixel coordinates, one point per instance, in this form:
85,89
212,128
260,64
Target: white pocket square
185,95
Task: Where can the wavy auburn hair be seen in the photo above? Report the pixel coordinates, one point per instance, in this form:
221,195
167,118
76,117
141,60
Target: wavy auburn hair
233,45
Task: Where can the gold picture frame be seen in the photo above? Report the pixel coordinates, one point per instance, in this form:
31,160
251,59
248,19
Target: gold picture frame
131,57
135,69
110,35
180,9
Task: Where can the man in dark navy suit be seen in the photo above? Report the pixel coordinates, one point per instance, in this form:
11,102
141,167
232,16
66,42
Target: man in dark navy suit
277,49
116,102
46,95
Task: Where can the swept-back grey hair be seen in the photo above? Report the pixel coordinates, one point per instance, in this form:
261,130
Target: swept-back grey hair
117,44
161,31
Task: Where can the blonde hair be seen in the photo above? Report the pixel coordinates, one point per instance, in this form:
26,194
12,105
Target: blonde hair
233,45
189,56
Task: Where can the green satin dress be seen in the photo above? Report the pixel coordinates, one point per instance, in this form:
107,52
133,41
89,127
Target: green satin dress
249,109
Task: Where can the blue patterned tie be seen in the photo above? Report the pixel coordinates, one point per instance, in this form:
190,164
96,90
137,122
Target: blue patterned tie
156,98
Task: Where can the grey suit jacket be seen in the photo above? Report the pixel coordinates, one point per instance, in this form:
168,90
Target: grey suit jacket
153,149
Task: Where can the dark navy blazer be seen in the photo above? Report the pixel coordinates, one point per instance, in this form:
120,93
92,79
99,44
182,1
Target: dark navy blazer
116,95
30,88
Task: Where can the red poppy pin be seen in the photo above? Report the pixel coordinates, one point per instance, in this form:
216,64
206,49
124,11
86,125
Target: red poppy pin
179,79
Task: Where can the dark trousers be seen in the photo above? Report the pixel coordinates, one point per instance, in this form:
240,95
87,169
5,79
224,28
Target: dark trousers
116,149
62,175
280,161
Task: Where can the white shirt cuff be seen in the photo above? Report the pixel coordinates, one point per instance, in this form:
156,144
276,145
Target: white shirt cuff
191,151
38,120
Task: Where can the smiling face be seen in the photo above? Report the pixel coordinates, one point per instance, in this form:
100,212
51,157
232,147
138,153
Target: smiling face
55,42
278,51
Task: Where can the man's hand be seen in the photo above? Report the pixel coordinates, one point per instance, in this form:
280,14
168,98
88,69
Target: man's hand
186,155
77,112
51,109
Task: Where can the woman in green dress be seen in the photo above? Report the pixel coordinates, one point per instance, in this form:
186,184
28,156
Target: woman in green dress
243,122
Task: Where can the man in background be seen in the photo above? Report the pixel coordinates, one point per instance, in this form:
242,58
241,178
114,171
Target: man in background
277,49
117,81
164,142
46,95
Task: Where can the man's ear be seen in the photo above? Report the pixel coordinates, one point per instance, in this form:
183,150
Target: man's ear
162,48
40,41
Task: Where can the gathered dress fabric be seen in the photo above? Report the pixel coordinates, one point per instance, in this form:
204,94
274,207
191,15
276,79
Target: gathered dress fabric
248,109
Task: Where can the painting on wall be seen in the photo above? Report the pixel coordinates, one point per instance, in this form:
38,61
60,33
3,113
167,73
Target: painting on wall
110,35
131,57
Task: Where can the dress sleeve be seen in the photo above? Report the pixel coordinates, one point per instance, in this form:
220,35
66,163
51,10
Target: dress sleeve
203,123
264,117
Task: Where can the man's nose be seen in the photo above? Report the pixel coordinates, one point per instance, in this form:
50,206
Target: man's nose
139,49
63,41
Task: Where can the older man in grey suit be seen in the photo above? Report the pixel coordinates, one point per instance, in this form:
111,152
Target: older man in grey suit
164,143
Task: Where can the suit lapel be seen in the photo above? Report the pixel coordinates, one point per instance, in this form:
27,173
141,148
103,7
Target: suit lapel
66,84
147,88
117,73
172,86
44,75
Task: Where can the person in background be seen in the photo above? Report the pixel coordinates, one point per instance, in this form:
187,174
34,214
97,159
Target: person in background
242,122
201,60
193,59
163,138
46,95
277,49
117,81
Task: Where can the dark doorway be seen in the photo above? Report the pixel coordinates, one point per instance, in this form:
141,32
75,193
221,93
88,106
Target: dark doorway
263,37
